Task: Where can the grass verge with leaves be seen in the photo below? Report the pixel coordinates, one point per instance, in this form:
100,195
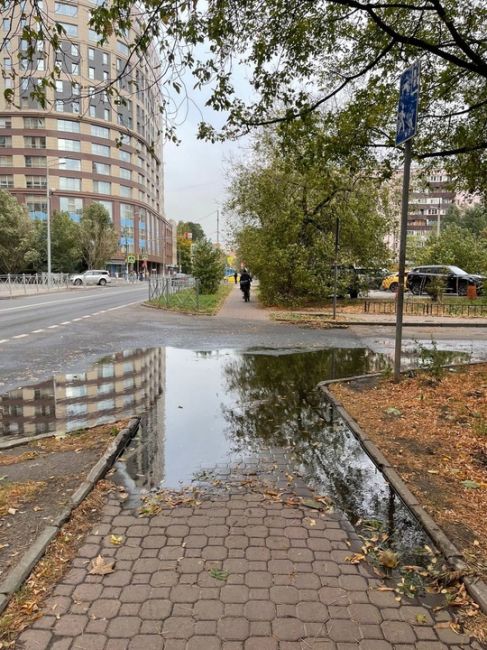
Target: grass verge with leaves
186,303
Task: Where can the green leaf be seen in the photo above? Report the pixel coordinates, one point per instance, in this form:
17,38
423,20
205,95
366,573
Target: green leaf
218,574
393,412
311,503
471,485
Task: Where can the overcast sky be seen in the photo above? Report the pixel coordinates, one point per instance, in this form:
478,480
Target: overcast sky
195,171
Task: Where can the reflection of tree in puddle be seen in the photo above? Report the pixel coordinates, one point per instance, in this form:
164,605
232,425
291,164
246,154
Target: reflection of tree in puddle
278,405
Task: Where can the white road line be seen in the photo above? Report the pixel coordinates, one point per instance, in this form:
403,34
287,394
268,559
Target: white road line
66,322
52,327
4,340
76,319
37,331
20,336
87,316
61,302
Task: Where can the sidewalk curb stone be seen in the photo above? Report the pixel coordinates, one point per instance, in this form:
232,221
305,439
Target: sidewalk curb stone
22,570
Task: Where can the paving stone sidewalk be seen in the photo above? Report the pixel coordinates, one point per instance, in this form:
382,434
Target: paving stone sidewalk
287,585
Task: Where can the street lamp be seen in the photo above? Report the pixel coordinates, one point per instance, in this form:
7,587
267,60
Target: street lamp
60,161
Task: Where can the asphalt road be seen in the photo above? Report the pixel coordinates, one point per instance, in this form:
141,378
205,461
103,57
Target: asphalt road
68,331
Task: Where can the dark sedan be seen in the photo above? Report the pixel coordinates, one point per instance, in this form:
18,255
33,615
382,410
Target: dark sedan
454,279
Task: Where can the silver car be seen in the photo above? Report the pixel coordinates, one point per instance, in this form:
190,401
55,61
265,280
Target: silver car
91,277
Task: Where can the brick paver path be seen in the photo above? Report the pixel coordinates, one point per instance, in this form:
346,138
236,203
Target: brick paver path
287,585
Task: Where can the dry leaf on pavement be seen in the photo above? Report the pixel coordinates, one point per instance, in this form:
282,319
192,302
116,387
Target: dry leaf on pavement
100,567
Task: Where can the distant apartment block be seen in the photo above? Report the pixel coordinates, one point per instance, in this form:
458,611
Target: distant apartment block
85,145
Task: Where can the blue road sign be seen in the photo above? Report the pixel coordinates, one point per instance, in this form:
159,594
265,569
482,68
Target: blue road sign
407,112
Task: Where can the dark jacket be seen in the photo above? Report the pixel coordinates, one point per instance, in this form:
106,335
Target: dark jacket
245,280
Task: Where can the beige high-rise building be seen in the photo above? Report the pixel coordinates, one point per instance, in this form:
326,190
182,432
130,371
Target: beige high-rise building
84,145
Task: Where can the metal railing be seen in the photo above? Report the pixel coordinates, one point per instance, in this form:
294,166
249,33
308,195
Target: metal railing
172,292
17,284
416,308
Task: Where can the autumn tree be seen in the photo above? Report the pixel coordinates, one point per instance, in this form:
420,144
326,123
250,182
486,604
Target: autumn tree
97,236
17,246
208,266
66,252
285,203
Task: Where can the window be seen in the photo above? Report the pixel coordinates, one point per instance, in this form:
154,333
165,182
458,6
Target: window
6,181
100,132
59,86
105,75
101,168
5,161
125,156
91,73
34,123
92,110
36,207
72,205
76,391
7,63
71,30
106,388
68,145
5,123
106,113
105,58
6,24
35,161
73,164
106,370
141,195
92,36
108,207
65,9
59,105
68,126
102,187
100,149
125,173
141,179
36,182
74,49
40,65
125,191
34,141
105,404
74,68
68,183
122,48
75,107
91,54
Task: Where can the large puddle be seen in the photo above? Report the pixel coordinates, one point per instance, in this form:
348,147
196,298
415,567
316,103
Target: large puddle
201,409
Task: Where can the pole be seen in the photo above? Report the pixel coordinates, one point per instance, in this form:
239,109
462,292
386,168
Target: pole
402,259
335,271
438,221
218,228
48,223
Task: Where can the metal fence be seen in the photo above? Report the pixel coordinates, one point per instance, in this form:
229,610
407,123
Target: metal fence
425,308
176,293
18,284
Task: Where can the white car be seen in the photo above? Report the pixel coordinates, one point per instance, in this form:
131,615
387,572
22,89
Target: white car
91,277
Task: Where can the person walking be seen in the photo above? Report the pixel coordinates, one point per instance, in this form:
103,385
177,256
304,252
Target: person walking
245,281
235,276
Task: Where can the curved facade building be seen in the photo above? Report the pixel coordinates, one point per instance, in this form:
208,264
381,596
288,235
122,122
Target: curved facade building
86,145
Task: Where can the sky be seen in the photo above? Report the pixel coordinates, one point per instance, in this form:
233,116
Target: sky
196,172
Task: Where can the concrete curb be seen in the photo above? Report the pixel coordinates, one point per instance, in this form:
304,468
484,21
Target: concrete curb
16,577
475,587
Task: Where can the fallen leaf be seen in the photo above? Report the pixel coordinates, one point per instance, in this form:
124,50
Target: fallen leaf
471,485
421,618
100,567
312,503
219,574
12,511
116,540
389,559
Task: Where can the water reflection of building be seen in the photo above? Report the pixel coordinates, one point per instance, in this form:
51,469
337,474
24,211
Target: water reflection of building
123,384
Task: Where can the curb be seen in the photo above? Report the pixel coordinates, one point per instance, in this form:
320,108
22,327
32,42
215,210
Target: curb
16,577
475,587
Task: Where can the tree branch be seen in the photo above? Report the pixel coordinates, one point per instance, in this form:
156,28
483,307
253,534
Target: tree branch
453,152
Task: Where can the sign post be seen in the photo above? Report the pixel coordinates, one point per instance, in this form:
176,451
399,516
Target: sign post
407,115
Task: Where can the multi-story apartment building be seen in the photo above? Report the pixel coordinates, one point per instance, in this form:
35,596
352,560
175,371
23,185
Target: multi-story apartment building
86,146
430,197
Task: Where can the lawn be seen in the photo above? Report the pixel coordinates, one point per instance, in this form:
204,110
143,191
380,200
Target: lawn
186,301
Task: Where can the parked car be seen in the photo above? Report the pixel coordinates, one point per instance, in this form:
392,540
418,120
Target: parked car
454,279
391,282
370,278
91,277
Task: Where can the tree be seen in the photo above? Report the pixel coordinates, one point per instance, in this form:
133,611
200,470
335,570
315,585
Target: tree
341,55
195,229
457,246
473,219
208,266
16,235
97,236
184,257
285,203
65,244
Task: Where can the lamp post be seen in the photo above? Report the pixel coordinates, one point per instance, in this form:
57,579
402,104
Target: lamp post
61,161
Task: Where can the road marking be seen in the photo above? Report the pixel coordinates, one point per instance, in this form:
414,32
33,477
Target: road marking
66,322
76,319
87,316
20,336
77,299
4,340
52,327
37,331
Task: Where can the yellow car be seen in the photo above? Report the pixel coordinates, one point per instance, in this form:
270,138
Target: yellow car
391,282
